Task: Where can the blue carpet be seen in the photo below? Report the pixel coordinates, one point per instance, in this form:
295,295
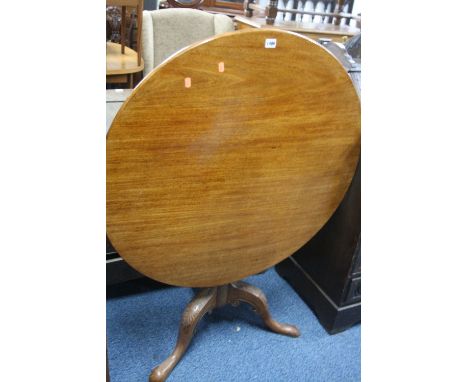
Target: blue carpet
231,344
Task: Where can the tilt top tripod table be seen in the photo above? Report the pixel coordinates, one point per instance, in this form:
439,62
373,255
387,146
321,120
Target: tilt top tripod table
226,159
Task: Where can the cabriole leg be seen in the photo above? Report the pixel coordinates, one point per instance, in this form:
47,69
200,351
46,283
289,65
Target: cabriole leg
203,302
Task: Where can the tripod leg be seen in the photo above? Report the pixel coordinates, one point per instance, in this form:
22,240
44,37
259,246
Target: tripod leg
203,302
241,291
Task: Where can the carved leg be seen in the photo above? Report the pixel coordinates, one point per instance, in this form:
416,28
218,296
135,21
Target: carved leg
208,299
241,291
203,302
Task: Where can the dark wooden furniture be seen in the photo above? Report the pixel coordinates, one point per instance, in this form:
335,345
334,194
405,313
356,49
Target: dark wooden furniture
114,26
245,166
208,5
138,5
185,4
326,272
225,4
122,62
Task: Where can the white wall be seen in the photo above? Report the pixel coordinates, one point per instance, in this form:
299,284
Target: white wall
357,7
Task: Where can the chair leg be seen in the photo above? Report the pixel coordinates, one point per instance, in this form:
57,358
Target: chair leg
130,81
123,26
139,30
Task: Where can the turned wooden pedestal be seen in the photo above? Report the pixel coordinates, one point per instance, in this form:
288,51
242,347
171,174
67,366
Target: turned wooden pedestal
205,301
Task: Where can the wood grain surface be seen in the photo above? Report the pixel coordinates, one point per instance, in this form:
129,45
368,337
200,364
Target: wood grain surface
214,182
118,63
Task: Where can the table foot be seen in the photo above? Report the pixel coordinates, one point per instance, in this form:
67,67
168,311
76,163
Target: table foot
241,291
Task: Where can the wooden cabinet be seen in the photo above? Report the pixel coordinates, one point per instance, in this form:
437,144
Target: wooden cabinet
326,272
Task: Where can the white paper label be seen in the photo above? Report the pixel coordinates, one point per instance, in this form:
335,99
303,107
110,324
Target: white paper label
270,43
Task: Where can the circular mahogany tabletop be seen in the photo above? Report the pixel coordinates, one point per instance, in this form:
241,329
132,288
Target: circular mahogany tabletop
230,156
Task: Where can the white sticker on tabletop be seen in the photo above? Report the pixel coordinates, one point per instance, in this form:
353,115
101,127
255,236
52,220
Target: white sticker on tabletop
270,43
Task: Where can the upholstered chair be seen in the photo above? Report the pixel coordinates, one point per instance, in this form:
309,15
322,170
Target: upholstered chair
166,31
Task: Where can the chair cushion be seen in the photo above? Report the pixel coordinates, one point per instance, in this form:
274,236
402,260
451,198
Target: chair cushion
167,31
